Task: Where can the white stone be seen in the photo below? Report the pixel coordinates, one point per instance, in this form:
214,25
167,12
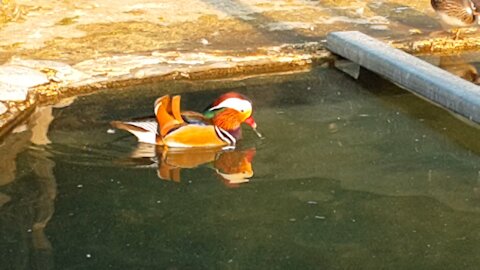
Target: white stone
12,92
65,72
115,65
3,108
21,76
204,41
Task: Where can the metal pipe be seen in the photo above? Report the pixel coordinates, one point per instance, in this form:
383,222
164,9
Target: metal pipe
409,72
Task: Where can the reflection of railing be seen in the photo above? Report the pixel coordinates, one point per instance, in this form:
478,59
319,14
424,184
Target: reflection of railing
233,166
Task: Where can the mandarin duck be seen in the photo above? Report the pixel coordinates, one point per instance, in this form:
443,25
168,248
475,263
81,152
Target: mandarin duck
218,126
456,13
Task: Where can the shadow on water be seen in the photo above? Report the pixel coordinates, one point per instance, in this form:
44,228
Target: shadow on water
459,130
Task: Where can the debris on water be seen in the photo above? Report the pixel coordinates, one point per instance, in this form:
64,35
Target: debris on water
312,202
159,201
292,220
80,186
320,217
29,230
88,255
111,131
332,127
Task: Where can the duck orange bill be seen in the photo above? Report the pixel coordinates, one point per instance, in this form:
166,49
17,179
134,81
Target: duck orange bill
251,122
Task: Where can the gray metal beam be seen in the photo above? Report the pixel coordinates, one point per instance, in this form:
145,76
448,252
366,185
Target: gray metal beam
410,72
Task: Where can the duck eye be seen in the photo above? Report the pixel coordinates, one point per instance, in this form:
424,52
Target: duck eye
242,110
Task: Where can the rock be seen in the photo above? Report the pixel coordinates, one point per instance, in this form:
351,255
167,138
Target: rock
12,92
3,108
21,76
64,72
114,66
16,80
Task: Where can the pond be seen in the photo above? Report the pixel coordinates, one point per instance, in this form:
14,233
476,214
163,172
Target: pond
350,175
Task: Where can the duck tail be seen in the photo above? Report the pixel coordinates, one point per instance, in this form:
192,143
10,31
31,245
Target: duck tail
146,131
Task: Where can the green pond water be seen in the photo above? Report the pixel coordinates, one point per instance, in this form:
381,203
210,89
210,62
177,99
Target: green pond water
350,175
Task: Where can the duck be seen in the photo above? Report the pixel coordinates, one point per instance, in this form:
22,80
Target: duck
218,126
456,13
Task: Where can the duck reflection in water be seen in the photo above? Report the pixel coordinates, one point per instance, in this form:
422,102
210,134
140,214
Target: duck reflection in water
233,166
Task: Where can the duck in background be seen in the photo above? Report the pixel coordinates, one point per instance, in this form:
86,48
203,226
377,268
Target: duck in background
457,13
219,126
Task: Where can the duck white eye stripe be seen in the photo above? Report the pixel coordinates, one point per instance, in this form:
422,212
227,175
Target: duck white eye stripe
234,103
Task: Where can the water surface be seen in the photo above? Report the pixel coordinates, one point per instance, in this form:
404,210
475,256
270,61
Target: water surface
350,175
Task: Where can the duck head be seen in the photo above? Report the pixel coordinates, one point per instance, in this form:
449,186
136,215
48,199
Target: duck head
230,110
